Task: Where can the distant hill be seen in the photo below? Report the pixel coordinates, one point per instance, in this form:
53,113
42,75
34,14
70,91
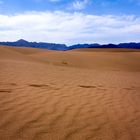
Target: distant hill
121,45
24,43
63,47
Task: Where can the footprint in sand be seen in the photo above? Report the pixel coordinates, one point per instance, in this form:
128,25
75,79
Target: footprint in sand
83,86
6,90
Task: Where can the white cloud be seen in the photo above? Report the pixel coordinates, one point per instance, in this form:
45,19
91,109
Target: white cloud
69,28
79,4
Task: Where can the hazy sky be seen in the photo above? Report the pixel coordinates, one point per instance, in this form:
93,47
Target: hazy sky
70,21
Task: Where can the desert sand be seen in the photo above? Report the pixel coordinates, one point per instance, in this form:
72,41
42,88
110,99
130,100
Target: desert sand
85,94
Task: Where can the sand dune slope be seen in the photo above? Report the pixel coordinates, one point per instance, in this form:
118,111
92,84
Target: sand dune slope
106,59
71,101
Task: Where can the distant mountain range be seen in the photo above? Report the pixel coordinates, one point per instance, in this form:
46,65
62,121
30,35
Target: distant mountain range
63,47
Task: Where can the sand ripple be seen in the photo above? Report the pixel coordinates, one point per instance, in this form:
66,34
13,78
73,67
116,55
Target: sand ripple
48,102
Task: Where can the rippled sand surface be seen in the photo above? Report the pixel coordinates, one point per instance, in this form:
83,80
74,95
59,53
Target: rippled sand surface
75,95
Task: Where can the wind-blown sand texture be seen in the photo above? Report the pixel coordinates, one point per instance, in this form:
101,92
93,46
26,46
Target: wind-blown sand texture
87,94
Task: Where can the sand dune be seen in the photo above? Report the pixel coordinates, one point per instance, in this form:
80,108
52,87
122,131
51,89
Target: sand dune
74,95
107,59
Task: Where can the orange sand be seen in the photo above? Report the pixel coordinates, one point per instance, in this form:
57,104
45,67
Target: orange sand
86,94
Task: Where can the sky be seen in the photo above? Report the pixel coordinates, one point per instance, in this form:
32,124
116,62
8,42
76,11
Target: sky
70,21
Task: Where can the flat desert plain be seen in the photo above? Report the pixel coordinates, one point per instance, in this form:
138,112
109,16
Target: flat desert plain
85,94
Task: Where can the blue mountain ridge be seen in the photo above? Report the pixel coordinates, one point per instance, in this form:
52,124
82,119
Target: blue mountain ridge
63,47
